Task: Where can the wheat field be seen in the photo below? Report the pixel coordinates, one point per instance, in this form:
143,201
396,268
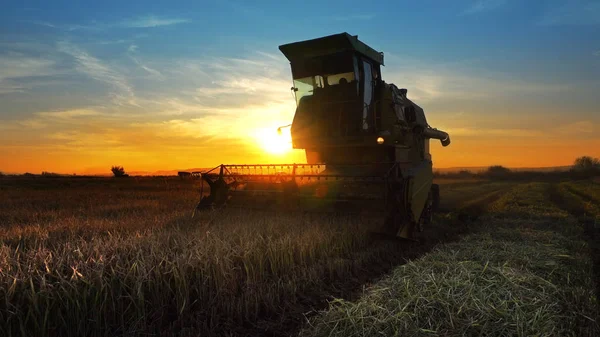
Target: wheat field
123,257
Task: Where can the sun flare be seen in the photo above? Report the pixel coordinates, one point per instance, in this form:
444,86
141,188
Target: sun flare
274,143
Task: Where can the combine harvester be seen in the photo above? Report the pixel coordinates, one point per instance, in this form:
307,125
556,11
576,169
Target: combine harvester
366,144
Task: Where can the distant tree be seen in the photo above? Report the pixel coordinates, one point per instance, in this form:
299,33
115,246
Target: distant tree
497,171
586,163
464,174
119,171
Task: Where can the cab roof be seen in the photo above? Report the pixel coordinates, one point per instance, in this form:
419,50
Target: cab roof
329,45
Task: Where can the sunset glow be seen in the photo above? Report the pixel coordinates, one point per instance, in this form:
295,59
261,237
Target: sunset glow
83,90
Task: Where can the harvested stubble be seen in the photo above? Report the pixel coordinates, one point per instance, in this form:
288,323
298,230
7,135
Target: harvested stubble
583,198
122,257
456,196
528,272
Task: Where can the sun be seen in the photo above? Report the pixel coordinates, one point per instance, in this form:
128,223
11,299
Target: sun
274,143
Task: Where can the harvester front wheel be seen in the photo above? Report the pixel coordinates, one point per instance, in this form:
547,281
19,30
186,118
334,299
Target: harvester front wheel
399,221
431,206
427,214
435,194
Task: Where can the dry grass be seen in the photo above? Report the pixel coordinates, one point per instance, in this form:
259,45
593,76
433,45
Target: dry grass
582,200
106,257
122,257
586,195
460,195
528,272
451,181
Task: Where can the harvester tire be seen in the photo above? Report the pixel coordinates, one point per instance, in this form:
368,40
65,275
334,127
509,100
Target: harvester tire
435,194
427,213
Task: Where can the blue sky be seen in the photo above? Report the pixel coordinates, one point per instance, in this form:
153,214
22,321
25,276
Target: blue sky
186,84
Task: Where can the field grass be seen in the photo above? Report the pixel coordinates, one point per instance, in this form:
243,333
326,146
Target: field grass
587,196
582,200
526,271
105,257
112,257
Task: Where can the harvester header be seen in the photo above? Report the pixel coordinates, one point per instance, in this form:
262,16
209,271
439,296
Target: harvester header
366,143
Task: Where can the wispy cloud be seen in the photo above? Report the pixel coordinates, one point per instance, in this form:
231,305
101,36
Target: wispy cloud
152,21
118,41
480,6
10,88
17,70
274,57
131,40
69,114
45,119
147,21
597,53
146,68
41,23
216,96
234,82
131,52
577,128
224,97
32,124
573,12
96,69
17,65
433,84
90,26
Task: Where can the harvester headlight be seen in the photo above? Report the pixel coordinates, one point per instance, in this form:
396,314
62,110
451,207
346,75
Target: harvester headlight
380,140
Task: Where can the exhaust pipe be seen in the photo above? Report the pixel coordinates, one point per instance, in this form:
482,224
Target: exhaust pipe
437,134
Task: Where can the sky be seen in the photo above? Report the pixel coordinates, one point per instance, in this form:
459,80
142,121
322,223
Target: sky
190,84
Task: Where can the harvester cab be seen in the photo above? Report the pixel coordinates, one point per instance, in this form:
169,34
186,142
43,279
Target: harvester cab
366,143
342,102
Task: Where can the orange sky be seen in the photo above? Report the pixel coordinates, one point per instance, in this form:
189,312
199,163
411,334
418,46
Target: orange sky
464,151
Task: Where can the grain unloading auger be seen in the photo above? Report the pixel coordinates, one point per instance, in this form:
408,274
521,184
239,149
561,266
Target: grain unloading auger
366,144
